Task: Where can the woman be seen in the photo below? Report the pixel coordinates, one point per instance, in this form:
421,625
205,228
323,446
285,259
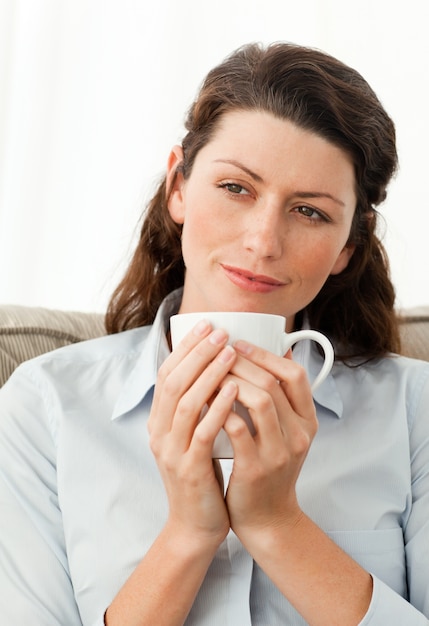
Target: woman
115,512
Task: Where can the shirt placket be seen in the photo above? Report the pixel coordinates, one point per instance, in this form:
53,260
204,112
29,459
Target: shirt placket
241,568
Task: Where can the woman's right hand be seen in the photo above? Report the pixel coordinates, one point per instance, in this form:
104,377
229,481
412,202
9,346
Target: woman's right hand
182,444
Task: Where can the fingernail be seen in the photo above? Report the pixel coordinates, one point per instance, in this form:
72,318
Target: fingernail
218,337
243,347
226,355
229,390
201,327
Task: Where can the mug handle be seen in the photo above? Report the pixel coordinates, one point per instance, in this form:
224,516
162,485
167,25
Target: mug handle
292,338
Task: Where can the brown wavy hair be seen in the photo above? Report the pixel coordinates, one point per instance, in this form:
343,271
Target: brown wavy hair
318,93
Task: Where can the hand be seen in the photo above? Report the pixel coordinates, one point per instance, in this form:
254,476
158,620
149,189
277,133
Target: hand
182,444
261,492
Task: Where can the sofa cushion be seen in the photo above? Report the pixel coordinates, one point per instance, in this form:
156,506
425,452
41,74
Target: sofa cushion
26,332
414,329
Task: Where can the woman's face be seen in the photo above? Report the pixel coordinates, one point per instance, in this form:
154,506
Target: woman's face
266,215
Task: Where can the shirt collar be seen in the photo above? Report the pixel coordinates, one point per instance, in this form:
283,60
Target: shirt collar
154,352
156,349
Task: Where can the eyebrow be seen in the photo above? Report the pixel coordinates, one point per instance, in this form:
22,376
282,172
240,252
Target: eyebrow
301,194
251,173
319,194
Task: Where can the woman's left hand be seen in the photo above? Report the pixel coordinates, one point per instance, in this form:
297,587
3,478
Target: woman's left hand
261,498
261,492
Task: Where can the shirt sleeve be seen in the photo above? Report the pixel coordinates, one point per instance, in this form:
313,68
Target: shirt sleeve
417,526
35,581
387,607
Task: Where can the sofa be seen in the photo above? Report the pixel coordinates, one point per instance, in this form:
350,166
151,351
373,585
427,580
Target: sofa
26,332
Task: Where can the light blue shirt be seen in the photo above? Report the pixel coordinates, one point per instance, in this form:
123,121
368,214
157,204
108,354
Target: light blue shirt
81,498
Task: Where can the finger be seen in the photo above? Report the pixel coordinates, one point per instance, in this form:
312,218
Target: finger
189,341
273,415
208,428
190,405
268,408
281,435
176,376
201,330
292,377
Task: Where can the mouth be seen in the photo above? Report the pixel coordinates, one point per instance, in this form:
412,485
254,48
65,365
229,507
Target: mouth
249,281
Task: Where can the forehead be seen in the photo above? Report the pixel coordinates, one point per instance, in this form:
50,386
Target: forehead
273,146
249,126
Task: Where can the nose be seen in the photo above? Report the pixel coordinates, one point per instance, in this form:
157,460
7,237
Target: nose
264,233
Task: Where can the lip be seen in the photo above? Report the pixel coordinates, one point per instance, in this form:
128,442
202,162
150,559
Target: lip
249,281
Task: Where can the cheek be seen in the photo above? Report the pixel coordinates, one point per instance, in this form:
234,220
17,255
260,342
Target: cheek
198,237
317,261
204,225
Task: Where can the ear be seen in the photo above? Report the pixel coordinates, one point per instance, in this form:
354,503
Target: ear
343,258
175,182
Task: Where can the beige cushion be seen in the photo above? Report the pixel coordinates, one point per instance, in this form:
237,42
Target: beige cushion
26,332
415,333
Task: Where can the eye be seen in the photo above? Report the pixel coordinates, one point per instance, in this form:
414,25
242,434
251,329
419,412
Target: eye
310,213
234,188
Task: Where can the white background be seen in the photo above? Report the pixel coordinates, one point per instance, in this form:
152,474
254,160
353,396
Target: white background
93,94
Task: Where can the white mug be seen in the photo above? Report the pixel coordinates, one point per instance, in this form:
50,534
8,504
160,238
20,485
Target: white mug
261,329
